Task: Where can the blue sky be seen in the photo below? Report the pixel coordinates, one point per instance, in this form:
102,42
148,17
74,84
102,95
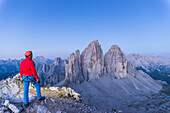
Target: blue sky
55,28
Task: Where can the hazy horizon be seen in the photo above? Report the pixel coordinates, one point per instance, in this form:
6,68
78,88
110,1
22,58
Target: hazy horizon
65,57
57,28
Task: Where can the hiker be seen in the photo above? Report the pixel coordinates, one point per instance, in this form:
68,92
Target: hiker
28,74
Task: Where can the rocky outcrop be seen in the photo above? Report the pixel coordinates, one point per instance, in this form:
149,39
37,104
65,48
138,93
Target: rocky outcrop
11,98
73,69
87,66
12,107
92,61
115,62
66,93
93,64
10,87
53,73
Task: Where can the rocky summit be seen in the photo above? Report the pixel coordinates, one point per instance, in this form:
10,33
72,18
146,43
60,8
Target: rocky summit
58,100
92,61
91,64
110,82
87,66
115,62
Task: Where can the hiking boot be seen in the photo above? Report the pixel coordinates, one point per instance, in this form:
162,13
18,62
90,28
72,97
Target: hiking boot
26,105
42,98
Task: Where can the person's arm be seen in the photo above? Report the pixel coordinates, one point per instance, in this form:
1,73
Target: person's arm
21,70
33,70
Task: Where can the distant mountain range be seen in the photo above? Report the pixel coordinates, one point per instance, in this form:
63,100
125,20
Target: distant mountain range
157,67
149,64
9,68
50,74
110,80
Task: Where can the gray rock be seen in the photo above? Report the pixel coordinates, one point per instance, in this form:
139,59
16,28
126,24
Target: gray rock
87,66
60,112
73,69
14,108
120,111
42,109
7,112
115,62
3,109
9,87
6,102
53,73
92,61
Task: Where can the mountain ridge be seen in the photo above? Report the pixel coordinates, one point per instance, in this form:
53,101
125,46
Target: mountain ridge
108,81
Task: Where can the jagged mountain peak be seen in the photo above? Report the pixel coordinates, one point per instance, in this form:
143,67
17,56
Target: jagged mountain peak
39,57
74,55
115,47
109,79
57,61
115,62
94,46
116,50
94,42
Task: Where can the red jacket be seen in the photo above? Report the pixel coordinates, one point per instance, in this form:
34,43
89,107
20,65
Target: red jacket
27,68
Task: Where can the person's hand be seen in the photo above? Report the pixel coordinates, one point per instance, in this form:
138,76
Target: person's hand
38,80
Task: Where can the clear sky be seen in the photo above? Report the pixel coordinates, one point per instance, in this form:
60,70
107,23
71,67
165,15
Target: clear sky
55,28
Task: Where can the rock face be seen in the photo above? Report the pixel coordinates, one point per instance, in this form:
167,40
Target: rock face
73,69
91,64
11,98
117,83
10,87
92,61
115,62
53,73
87,66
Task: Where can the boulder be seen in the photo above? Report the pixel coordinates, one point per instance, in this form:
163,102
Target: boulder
6,102
14,108
9,88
